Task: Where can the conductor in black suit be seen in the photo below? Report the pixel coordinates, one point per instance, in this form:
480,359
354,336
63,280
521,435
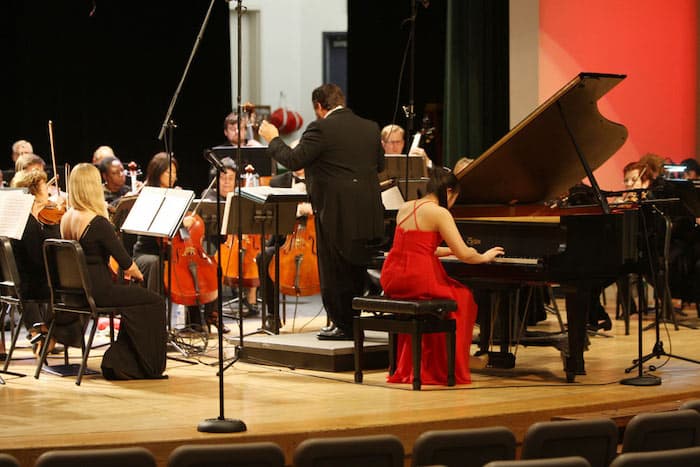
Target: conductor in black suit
342,155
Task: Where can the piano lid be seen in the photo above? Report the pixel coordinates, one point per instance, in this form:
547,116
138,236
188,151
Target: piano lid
537,160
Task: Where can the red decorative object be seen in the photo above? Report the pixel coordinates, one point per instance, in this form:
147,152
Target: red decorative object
286,121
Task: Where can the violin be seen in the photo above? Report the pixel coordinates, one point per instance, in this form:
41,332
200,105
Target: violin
53,212
299,261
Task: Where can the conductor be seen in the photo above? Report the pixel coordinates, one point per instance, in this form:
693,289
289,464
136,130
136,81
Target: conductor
342,155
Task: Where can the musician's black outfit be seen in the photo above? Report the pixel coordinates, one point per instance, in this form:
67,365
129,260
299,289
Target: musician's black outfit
341,155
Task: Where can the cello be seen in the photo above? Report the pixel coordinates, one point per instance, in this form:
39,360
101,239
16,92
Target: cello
194,275
251,246
299,261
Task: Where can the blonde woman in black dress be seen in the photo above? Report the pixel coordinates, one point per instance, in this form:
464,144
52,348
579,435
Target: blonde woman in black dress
140,349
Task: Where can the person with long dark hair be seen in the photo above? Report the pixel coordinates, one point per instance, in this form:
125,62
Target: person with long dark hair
412,270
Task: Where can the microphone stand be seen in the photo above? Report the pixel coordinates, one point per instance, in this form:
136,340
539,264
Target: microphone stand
410,110
220,424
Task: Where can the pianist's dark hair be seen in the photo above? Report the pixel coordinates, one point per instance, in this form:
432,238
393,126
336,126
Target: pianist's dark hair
442,178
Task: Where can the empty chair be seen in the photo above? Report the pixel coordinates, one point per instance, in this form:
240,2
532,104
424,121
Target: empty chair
365,451
693,404
663,430
670,457
594,440
118,457
10,297
7,460
264,454
465,448
570,461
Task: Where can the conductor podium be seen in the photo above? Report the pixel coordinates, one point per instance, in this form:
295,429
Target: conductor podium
263,210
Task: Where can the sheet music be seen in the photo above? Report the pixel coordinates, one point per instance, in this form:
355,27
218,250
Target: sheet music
173,208
262,192
392,199
15,209
158,211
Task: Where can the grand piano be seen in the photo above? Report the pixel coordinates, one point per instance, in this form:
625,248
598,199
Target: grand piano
509,197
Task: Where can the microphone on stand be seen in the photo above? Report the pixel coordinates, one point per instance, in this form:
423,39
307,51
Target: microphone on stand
214,161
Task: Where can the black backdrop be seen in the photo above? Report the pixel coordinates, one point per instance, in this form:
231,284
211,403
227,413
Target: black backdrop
106,76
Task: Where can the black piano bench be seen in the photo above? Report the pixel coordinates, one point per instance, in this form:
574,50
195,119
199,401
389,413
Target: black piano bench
414,317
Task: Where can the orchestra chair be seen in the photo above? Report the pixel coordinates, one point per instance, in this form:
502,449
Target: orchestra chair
262,454
595,440
7,460
569,461
472,447
413,317
662,430
116,457
351,451
10,299
671,457
70,287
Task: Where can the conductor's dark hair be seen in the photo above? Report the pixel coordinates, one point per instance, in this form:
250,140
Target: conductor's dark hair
157,166
329,95
442,178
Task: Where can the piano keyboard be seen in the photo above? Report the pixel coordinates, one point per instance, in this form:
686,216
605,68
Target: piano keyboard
501,260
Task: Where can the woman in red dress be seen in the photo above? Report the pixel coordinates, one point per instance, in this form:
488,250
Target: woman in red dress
413,270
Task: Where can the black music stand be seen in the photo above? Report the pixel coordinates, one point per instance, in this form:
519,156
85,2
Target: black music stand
158,212
264,210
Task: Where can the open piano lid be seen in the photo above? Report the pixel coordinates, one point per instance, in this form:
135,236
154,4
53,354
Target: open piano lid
538,160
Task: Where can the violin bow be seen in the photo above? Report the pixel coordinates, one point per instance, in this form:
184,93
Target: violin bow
53,156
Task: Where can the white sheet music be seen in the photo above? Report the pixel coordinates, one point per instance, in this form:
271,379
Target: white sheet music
158,211
15,209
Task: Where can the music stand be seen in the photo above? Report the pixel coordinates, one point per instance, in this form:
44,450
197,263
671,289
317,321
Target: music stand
158,212
264,210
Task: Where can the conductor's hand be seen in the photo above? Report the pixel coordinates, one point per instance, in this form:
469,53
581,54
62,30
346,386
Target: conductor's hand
268,131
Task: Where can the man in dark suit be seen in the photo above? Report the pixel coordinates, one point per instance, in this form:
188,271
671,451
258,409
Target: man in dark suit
342,155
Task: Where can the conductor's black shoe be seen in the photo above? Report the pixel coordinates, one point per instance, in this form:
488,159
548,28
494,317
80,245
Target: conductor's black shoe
335,334
330,327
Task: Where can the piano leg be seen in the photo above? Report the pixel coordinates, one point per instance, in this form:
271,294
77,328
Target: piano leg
577,309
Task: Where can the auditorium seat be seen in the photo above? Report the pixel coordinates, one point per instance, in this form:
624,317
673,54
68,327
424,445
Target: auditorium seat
365,451
117,457
7,460
570,461
663,430
595,440
471,447
263,454
667,458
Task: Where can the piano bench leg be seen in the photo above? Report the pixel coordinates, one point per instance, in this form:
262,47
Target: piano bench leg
358,350
451,344
416,341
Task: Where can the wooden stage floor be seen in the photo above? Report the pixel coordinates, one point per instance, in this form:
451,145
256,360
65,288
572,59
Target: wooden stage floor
287,406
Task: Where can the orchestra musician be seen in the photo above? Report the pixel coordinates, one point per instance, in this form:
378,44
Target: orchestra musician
147,250
393,141
290,179
34,287
140,349
227,182
413,270
342,157
114,184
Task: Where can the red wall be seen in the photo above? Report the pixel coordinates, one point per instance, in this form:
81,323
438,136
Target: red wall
653,42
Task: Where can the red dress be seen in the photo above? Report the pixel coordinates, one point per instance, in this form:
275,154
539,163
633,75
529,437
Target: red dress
412,271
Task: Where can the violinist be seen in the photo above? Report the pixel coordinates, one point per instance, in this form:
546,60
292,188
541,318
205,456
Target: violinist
114,184
34,286
140,349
